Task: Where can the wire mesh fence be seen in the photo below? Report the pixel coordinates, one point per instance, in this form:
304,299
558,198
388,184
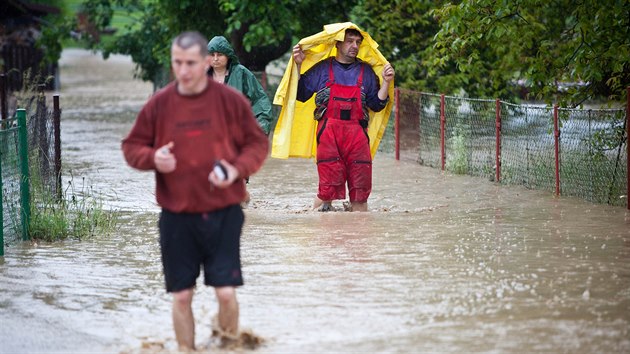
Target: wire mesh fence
515,143
527,146
593,160
42,148
28,159
10,168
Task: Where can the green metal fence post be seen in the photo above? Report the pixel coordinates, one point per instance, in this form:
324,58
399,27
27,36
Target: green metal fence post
1,212
25,193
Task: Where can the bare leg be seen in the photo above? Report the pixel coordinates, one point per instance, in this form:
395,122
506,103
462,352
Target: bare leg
228,309
359,206
318,203
183,319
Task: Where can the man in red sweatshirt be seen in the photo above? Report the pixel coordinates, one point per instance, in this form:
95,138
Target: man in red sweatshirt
181,133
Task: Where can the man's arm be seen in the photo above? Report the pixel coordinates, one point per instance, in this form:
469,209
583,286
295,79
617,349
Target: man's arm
298,57
137,146
305,89
377,95
388,76
252,143
261,105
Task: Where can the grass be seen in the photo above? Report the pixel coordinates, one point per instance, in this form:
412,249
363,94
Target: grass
457,160
121,20
78,214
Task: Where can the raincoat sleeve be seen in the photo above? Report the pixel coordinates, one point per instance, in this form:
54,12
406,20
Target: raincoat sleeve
261,105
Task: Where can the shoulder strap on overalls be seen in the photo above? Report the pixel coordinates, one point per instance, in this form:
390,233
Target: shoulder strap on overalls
360,79
331,75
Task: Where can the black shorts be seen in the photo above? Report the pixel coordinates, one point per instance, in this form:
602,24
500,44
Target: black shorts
188,241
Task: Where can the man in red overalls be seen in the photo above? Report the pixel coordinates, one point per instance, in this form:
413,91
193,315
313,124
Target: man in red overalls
345,88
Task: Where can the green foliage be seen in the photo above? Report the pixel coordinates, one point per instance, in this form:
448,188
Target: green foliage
56,30
146,41
78,214
561,51
584,46
264,22
458,155
404,30
606,140
260,31
264,30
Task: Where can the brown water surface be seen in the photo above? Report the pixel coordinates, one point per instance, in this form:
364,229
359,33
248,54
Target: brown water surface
440,264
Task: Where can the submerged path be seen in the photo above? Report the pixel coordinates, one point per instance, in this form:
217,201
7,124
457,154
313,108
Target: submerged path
440,264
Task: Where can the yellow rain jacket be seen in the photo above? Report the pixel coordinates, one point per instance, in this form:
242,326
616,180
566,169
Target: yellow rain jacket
295,131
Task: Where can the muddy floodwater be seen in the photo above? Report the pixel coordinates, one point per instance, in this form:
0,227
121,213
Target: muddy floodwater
441,263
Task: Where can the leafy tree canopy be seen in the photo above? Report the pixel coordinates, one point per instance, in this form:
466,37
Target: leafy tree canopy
564,50
567,50
260,31
404,30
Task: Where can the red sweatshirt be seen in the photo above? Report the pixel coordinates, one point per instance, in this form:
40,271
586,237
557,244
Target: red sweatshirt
215,124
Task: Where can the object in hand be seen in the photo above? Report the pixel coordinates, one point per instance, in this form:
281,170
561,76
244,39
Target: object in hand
220,171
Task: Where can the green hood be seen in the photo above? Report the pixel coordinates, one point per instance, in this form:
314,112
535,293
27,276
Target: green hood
221,45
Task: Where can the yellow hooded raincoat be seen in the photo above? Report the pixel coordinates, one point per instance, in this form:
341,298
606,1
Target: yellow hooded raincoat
294,135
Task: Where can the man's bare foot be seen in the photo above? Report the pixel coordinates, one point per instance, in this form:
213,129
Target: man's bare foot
322,205
326,206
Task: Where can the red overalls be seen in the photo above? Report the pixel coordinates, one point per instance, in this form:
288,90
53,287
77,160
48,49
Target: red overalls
343,148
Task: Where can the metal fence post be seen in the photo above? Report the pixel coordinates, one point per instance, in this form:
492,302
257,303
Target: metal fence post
57,132
41,137
556,135
442,130
4,96
1,208
628,147
25,193
498,142
420,128
397,124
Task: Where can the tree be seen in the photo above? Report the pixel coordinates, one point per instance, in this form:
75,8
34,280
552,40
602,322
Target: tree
153,25
404,30
571,51
260,31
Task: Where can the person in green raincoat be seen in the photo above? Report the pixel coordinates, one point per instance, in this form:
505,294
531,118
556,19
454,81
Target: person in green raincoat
225,68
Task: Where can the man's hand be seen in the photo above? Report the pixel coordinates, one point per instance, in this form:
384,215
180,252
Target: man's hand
232,175
298,54
388,73
164,159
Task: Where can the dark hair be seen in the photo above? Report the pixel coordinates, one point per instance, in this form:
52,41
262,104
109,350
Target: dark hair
190,39
354,32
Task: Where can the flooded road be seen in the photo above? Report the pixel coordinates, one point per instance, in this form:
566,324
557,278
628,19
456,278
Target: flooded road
440,264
